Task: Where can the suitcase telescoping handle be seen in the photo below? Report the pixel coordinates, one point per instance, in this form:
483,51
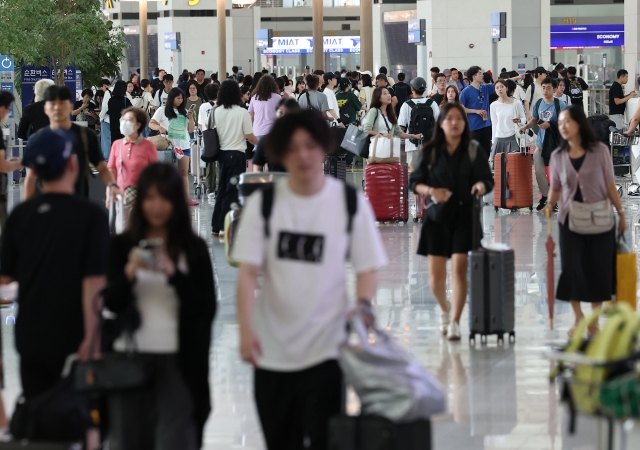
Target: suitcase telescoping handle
476,223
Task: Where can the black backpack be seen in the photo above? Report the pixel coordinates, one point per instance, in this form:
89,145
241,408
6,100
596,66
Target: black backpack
600,125
421,120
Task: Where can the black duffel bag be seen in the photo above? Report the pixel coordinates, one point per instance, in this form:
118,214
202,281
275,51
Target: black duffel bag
210,140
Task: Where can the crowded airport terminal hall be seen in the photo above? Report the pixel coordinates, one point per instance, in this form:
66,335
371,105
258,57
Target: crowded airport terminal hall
319,224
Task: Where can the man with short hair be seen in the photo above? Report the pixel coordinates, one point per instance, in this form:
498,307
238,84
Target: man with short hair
534,91
56,247
418,88
543,114
390,81
617,99
456,80
200,79
575,87
234,72
381,81
160,99
475,100
403,92
105,120
312,99
157,82
331,81
58,107
434,71
302,237
441,88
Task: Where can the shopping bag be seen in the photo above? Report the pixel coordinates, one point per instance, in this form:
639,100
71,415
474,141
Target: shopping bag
356,141
626,278
383,150
388,380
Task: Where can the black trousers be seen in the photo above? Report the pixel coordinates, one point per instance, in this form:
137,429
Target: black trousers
295,407
231,164
39,375
483,135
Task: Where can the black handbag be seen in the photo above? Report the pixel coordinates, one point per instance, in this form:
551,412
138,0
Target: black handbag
60,414
211,140
112,373
442,213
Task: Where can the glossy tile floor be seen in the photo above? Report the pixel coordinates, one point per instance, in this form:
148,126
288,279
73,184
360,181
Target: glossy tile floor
499,397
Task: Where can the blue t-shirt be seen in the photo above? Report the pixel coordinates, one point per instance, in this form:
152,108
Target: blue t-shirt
546,113
472,98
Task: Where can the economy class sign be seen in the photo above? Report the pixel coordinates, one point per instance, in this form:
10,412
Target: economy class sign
586,36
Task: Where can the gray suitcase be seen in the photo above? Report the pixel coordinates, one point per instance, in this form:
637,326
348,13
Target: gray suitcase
492,306
491,294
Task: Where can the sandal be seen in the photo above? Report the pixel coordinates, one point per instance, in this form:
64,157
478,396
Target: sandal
593,330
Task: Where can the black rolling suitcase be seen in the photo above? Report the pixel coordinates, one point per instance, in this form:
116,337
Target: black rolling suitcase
491,288
378,433
97,189
336,166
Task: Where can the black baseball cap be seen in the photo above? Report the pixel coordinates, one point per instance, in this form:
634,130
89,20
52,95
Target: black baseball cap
48,152
329,76
419,84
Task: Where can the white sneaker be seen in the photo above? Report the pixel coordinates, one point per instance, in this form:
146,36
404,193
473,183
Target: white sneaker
445,318
453,333
211,195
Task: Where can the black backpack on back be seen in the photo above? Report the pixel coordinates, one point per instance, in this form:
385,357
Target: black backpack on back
421,120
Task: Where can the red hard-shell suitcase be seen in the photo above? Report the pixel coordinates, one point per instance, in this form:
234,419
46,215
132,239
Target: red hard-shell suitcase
421,202
513,181
385,185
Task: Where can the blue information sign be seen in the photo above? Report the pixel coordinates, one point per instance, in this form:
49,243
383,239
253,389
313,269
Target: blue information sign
586,36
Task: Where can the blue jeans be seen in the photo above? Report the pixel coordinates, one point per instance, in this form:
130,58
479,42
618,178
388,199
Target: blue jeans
105,139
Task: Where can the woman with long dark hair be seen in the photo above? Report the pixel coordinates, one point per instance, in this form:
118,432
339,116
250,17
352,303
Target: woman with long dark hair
161,287
381,120
117,103
452,170
234,130
581,171
451,95
301,86
177,122
256,79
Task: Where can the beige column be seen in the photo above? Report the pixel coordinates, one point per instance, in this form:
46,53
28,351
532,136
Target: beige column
318,35
222,40
366,35
144,69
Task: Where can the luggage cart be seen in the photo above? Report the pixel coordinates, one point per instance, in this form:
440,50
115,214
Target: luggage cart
198,166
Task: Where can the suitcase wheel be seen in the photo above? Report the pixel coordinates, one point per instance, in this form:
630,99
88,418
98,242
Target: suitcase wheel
406,220
512,337
415,219
397,220
483,339
472,339
531,208
500,339
495,208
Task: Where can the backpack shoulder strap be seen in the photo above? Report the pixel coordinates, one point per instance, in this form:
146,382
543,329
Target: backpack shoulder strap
557,104
211,122
411,103
473,150
429,102
352,205
308,99
267,205
537,107
533,89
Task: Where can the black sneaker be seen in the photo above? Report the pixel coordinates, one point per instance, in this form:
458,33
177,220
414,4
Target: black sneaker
555,208
542,204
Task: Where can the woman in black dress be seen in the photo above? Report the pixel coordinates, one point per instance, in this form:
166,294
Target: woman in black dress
581,170
451,171
117,103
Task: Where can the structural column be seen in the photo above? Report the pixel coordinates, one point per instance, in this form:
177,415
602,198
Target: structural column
366,34
144,57
318,35
222,40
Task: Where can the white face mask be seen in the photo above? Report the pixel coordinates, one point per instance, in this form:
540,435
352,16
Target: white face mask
127,128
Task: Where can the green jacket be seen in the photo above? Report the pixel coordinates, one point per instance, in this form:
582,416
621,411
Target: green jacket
349,105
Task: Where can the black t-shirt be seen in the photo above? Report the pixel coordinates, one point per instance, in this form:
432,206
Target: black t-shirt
49,245
94,157
616,92
260,159
437,98
391,91
577,96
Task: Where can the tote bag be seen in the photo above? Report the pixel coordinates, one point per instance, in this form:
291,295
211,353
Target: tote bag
384,150
356,141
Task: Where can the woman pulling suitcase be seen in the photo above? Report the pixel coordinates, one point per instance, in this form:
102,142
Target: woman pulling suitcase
452,170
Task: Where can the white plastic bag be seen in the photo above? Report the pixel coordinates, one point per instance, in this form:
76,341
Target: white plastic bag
387,378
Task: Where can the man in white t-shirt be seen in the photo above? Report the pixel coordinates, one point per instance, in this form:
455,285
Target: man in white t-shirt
300,235
160,99
418,88
331,81
534,91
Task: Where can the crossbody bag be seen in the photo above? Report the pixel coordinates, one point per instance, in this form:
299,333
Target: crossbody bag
587,218
130,192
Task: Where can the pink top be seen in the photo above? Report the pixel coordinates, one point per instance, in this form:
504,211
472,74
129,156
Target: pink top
264,114
136,157
595,173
